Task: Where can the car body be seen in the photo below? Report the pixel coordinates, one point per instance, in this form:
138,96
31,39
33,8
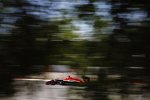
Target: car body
68,81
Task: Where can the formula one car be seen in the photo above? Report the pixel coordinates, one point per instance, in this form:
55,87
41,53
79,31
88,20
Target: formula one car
68,81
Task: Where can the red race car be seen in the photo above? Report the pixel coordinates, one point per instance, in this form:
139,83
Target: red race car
68,81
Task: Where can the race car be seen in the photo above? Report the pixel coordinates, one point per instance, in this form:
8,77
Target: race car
68,81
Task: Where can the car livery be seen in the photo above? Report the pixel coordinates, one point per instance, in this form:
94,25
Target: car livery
68,81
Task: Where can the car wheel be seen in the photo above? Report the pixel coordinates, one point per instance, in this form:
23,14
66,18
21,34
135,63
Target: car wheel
53,82
62,83
47,83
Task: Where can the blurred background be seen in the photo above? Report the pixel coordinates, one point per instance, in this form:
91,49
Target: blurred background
105,40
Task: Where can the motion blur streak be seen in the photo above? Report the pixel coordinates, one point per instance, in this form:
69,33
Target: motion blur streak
105,41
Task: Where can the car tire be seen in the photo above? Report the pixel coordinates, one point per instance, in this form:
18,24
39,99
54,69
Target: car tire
62,83
48,83
53,82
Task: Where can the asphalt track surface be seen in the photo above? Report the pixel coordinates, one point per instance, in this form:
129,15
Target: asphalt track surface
35,89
